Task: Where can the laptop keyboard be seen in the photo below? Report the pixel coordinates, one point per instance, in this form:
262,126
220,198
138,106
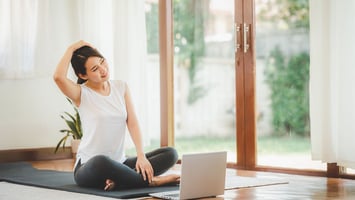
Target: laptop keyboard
167,195
171,196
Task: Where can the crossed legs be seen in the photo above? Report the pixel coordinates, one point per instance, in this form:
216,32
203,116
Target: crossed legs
103,172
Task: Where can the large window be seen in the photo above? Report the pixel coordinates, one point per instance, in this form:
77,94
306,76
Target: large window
270,90
282,82
18,25
204,76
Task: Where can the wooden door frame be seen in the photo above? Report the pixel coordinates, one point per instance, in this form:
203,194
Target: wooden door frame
245,85
249,82
246,95
239,86
166,45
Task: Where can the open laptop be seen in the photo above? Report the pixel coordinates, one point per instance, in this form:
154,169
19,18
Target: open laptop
202,175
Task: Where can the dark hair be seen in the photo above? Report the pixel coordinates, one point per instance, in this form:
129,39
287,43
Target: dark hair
79,58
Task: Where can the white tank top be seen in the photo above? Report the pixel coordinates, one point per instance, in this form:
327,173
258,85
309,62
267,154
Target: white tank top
103,120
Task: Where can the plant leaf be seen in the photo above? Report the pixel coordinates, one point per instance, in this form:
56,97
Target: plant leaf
61,141
74,124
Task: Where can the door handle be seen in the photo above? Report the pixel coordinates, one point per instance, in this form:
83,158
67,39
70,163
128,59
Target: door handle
245,37
237,33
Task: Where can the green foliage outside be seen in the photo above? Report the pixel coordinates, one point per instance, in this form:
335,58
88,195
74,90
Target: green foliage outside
288,82
287,77
189,42
290,14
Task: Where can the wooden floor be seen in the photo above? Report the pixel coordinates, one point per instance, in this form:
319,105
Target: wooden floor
299,187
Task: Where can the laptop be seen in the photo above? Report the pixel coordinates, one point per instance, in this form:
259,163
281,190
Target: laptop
202,175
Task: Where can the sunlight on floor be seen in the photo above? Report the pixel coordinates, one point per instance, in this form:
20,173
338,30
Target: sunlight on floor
291,161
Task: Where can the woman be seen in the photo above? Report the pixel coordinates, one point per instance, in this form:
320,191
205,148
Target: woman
106,109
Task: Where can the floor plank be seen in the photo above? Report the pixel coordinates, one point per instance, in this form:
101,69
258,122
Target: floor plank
299,187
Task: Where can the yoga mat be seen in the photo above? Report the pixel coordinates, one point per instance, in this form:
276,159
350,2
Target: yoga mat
24,173
12,191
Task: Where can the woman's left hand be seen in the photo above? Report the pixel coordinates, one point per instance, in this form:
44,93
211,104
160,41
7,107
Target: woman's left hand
144,167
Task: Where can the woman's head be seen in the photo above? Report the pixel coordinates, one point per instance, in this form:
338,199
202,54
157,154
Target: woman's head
79,59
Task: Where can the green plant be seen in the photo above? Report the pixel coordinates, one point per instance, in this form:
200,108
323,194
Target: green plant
74,127
288,81
286,13
189,44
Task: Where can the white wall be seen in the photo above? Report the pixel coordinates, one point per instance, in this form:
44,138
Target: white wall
29,116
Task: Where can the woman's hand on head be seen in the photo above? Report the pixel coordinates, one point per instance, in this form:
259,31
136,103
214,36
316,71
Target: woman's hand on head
144,167
79,44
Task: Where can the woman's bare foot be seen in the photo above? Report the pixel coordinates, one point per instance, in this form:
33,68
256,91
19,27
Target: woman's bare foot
110,185
164,180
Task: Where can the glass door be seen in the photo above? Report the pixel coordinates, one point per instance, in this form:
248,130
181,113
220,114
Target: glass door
204,76
282,80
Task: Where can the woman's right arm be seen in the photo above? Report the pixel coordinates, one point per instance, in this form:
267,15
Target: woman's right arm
60,76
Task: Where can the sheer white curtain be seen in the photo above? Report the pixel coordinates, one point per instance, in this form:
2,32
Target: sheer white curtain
117,29
96,25
130,57
18,28
332,75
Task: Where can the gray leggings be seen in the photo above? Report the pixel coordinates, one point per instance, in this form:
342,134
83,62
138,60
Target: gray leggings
95,171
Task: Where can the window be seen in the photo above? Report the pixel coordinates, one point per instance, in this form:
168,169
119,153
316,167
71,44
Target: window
204,76
18,25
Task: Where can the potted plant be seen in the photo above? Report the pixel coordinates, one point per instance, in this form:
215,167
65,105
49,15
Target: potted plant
74,130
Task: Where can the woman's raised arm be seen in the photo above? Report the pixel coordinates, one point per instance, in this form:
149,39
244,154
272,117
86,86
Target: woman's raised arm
68,87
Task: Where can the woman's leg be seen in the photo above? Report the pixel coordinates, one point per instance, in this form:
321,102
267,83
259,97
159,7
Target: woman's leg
99,169
161,159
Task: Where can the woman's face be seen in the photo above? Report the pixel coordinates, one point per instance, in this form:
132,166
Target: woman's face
96,69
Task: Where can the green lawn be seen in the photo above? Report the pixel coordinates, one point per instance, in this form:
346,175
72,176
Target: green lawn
266,145
283,145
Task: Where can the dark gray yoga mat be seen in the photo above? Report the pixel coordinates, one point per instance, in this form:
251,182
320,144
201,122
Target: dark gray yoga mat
23,173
